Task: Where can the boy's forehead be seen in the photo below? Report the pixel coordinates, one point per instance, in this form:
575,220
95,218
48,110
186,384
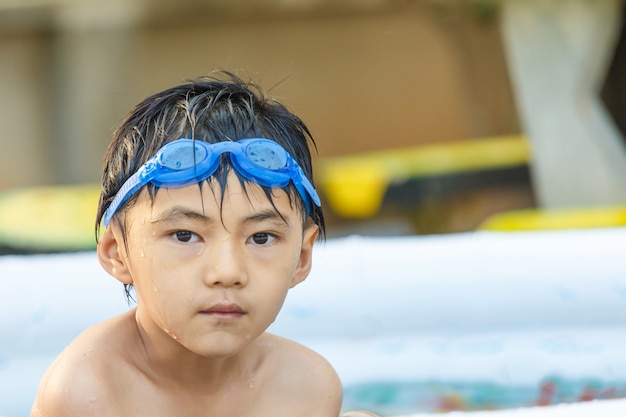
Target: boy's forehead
206,196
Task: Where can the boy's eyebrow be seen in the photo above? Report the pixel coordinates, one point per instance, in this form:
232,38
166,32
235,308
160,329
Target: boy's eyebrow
185,212
180,211
268,214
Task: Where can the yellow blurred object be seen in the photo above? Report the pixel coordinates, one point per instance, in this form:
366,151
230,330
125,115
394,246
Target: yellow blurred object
55,218
566,218
355,185
355,188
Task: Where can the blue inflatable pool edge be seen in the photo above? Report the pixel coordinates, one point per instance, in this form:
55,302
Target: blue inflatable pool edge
459,323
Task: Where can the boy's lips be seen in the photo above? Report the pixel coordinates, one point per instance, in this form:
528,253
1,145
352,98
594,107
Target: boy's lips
224,310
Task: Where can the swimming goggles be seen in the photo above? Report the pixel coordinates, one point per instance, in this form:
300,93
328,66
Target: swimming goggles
185,162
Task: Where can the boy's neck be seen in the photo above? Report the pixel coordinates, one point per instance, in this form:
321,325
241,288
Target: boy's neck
164,359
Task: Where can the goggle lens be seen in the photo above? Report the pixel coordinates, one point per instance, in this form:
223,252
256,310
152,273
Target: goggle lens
266,157
180,156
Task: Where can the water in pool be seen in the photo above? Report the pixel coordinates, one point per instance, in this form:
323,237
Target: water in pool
397,398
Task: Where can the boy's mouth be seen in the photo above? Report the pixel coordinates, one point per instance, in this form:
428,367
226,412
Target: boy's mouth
225,311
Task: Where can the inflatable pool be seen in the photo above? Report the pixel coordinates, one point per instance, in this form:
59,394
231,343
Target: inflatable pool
413,325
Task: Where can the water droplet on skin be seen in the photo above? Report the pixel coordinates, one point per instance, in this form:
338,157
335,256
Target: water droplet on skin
172,335
155,289
251,384
142,254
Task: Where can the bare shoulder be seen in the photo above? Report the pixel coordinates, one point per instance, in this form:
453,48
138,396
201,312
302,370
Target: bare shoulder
301,376
75,384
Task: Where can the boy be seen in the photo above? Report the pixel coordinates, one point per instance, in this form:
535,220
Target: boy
211,216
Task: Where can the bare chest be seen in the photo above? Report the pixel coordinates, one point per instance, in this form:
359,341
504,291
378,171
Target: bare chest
244,400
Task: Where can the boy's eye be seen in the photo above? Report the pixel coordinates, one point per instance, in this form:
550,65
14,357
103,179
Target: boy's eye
262,238
184,236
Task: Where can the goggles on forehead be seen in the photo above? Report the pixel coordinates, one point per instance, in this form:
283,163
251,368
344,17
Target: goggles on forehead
186,162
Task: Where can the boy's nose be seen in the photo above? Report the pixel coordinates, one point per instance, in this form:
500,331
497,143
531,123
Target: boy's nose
225,265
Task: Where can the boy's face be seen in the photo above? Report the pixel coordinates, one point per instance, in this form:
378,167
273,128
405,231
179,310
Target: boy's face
209,276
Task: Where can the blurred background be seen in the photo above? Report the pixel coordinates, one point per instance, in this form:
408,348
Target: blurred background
430,115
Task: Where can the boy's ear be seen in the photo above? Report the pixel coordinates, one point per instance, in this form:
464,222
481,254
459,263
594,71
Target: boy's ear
111,252
305,262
